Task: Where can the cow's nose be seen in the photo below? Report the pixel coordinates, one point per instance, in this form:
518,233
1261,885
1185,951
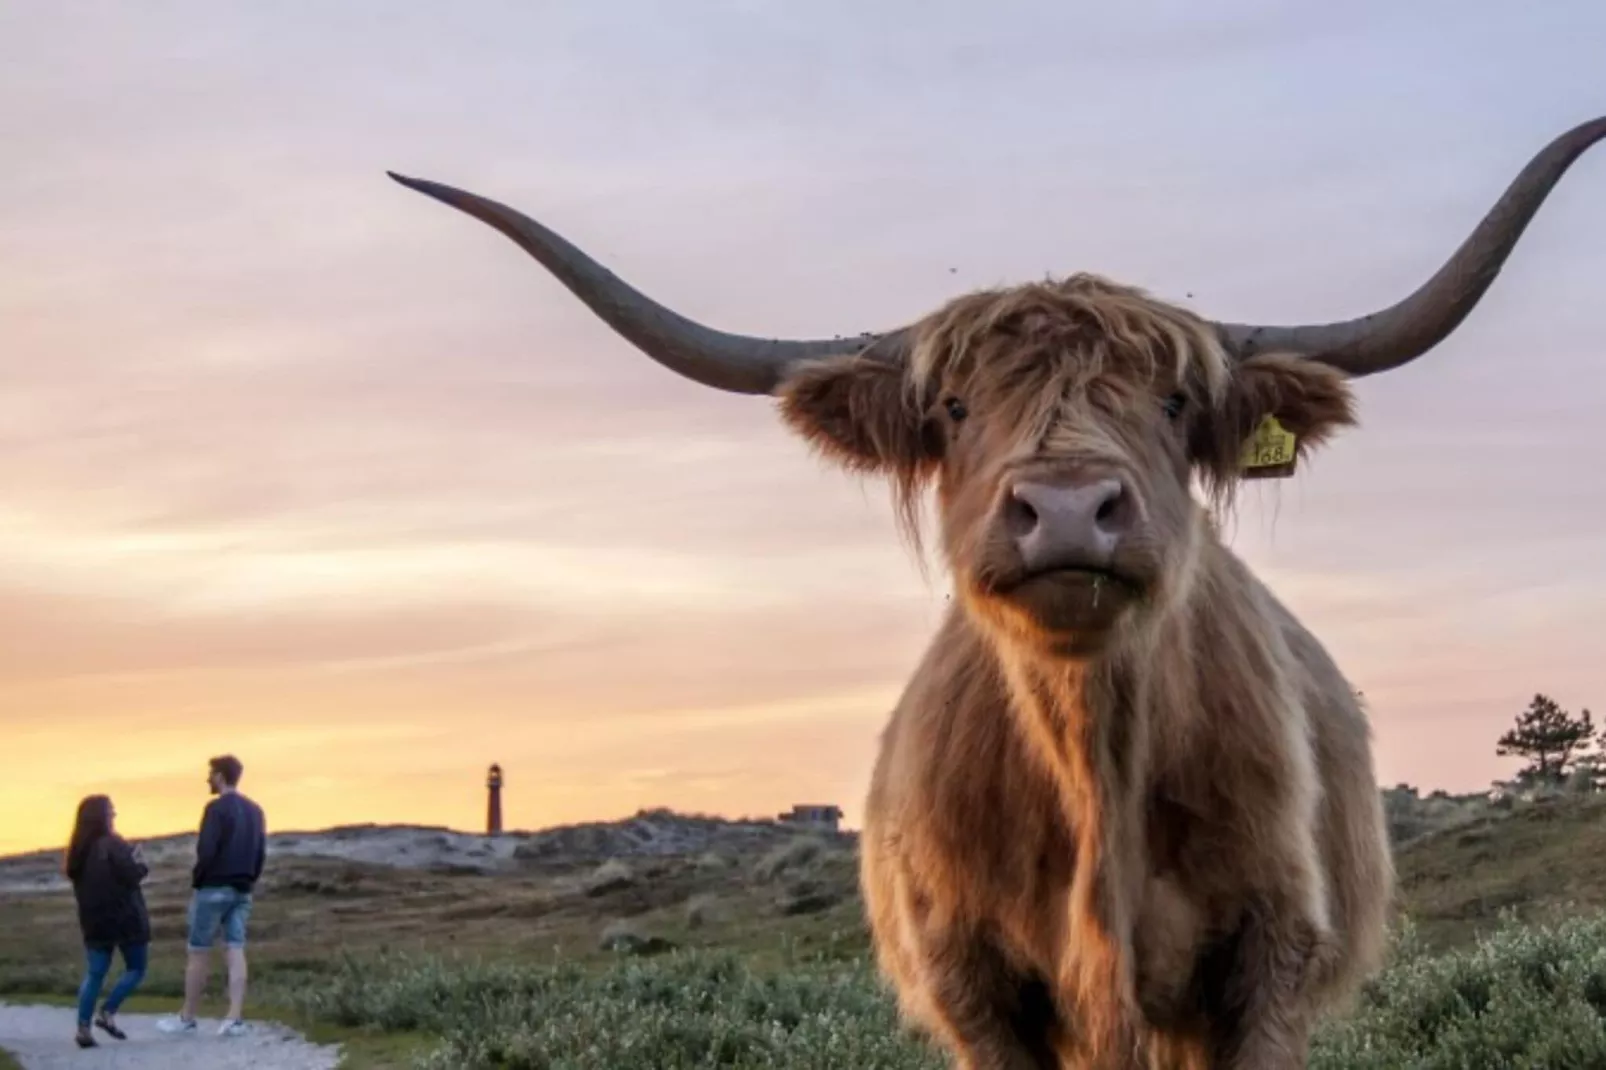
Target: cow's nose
1057,526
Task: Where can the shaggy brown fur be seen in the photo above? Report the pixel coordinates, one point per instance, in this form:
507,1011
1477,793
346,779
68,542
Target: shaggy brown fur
1108,827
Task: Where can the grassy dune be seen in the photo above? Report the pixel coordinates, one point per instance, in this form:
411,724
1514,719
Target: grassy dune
760,959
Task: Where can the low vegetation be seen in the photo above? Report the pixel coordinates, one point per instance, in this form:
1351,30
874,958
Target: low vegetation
757,956
689,1009
1523,997
1527,997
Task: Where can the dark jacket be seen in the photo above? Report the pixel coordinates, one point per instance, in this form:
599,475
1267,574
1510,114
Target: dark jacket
111,906
232,846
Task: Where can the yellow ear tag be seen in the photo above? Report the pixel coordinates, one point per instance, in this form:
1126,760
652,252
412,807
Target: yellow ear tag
1269,453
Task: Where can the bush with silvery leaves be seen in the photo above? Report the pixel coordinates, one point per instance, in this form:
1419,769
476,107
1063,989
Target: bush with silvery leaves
1522,998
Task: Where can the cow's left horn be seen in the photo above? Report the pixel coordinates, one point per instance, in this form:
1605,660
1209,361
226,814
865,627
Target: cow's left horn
734,362
1405,331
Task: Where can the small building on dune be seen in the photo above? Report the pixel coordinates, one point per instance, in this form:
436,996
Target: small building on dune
819,818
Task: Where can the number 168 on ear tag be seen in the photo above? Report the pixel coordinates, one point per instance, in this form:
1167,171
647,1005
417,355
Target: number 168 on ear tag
1269,453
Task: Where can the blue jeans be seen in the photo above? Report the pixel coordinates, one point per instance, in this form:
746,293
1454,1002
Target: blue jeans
212,909
99,960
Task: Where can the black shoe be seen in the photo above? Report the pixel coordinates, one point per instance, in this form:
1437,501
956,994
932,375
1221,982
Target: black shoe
102,1022
84,1038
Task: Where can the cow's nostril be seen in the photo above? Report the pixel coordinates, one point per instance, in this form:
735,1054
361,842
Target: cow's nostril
1113,509
1020,515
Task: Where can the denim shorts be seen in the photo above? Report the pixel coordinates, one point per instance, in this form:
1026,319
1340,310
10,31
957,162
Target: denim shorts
212,909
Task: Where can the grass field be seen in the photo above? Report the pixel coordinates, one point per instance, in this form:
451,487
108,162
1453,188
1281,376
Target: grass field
761,961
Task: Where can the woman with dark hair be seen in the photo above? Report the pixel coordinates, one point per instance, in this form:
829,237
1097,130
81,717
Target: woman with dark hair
106,873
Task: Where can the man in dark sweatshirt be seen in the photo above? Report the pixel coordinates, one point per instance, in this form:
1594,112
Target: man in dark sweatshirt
229,855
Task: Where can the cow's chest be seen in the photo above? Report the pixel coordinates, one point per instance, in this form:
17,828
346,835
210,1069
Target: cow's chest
1173,920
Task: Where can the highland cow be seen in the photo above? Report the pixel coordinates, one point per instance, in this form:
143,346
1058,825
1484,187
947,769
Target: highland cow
1125,813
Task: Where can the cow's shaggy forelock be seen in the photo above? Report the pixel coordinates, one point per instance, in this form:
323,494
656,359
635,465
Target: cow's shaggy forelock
1037,342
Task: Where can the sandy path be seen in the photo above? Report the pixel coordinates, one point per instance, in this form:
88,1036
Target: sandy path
41,1038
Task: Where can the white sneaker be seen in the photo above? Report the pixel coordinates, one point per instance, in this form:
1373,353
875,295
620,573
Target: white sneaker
175,1024
233,1027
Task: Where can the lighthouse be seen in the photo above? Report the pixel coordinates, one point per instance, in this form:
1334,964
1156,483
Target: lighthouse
493,801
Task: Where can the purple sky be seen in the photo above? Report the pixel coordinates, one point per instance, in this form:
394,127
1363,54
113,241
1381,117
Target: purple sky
301,465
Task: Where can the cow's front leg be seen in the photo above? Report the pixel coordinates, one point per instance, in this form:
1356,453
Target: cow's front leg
988,1014
1264,1012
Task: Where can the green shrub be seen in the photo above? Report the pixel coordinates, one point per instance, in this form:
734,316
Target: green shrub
692,1009
1523,998
696,1012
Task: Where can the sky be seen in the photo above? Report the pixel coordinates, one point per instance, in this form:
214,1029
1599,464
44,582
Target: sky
302,466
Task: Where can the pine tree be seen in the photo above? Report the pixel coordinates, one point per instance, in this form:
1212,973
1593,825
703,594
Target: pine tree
1549,737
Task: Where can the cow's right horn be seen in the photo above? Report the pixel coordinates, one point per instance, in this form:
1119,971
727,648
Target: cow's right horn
738,363
1405,331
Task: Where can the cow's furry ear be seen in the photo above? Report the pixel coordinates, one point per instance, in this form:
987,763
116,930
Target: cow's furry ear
1311,400
858,411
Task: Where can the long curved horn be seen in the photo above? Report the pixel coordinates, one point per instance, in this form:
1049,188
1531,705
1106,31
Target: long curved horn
1405,331
738,363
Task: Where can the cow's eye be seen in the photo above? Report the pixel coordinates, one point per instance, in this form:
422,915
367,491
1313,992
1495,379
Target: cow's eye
1174,404
956,409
